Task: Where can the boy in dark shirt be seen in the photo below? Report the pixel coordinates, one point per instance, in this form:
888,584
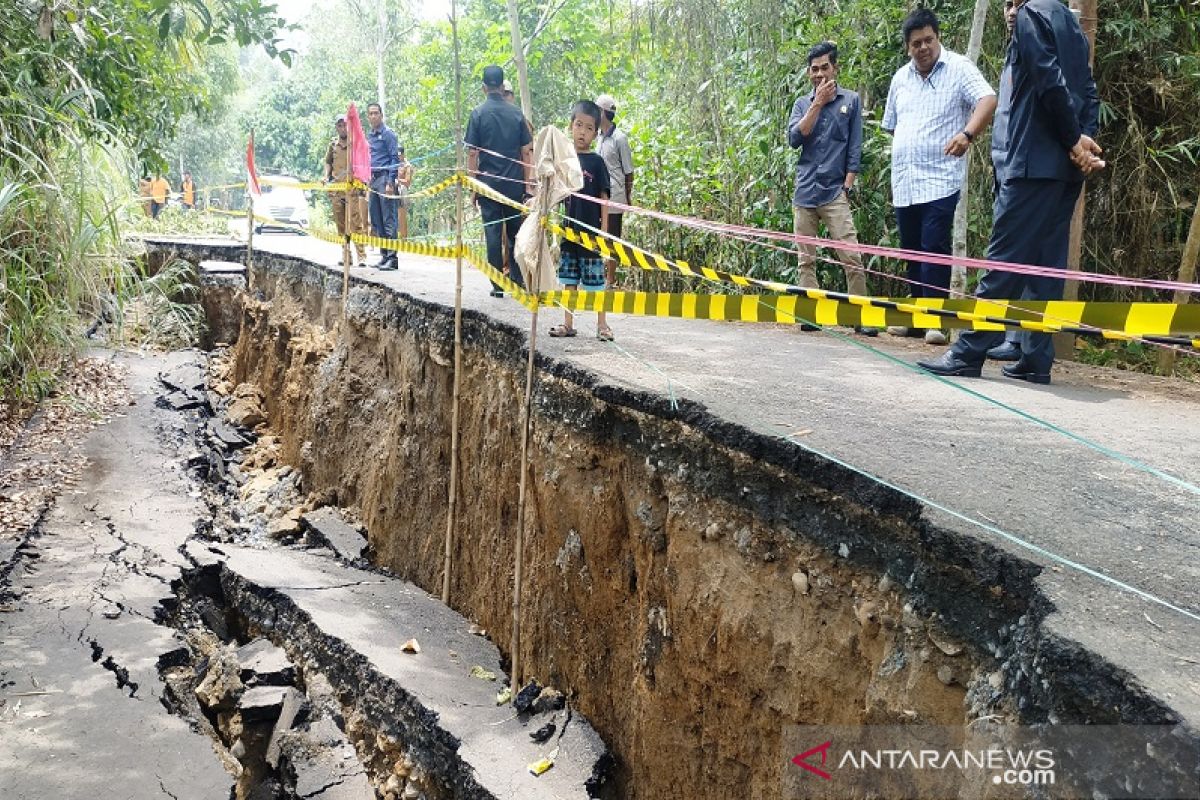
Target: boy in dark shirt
578,266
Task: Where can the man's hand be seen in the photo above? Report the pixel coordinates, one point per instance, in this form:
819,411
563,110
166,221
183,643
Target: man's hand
389,188
1086,155
958,145
825,93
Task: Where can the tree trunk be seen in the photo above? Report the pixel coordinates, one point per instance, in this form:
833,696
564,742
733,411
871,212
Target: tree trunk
1064,343
380,52
1187,274
514,23
958,278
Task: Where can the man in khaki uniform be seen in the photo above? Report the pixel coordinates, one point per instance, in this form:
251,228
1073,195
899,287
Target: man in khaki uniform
337,170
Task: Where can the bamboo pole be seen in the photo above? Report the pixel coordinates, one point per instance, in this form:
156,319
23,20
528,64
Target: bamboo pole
452,503
534,279
348,227
249,238
518,47
1187,274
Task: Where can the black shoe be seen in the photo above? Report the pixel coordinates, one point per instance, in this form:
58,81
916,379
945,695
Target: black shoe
1022,372
951,366
863,330
383,262
1005,352
497,293
389,266
804,326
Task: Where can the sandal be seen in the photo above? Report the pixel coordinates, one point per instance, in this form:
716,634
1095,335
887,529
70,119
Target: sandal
604,334
562,331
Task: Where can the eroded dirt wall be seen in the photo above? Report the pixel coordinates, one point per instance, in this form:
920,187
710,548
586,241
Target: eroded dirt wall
695,586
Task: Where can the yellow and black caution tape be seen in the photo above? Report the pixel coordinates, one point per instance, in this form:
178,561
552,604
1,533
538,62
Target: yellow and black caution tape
357,185
479,187
831,308
1154,322
405,246
527,299
1111,320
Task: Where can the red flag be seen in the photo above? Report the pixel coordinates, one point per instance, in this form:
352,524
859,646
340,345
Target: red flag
360,152
251,173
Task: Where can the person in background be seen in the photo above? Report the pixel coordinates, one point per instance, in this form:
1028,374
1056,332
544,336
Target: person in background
160,190
578,266
187,191
404,179
826,125
1042,150
499,154
385,164
349,217
144,194
618,157
937,105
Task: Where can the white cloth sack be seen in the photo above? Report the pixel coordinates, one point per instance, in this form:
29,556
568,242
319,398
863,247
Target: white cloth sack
558,174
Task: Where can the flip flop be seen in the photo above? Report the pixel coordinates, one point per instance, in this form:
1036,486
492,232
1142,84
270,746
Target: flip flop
604,334
562,332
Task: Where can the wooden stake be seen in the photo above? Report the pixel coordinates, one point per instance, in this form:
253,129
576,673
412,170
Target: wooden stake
526,414
249,238
347,221
518,46
452,503
1187,274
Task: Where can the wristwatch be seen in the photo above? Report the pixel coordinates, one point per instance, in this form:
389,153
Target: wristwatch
970,136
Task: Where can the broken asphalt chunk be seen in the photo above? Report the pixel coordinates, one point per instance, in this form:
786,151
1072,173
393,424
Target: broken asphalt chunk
325,527
264,664
262,703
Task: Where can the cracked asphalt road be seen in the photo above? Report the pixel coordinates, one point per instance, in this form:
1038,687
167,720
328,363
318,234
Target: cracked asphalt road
82,715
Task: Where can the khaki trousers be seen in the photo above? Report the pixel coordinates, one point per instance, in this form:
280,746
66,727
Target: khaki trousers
840,224
358,219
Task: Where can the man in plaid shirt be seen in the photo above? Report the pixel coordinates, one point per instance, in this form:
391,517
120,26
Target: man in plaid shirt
937,105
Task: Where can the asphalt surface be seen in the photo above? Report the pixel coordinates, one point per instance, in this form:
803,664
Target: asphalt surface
82,715
1067,469
373,616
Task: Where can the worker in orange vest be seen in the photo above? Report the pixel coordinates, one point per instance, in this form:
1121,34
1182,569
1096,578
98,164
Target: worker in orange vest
188,190
159,189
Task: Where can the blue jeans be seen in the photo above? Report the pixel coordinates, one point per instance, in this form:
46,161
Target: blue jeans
927,227
1031,225
384,213
494,232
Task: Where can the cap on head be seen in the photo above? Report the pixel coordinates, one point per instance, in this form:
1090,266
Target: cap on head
507,86
493,77
606,102
340,118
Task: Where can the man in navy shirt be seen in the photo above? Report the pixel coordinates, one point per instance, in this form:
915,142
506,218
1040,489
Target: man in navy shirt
385,163
500,154
827,127
1042,149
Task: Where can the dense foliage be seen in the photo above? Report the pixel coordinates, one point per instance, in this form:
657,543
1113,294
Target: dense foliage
88,93
705,87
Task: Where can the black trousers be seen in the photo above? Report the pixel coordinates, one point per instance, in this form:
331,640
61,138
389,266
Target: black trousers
928,227
1031,224
493,229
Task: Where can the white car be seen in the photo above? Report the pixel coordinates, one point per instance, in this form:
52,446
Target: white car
283,201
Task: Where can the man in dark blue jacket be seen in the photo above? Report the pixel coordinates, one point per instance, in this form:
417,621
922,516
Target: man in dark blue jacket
385,164
1042,149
